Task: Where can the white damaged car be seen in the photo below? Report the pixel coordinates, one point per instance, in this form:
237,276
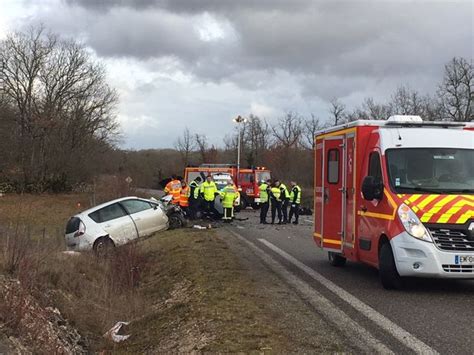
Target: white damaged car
114,223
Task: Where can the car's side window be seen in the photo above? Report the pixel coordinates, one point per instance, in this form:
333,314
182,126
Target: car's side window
107,213
134,206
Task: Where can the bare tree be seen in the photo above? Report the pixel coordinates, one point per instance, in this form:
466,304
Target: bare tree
202,146
311,126
288,131
369,110
256,139
62,103
457,90
185,145
337,111
406,101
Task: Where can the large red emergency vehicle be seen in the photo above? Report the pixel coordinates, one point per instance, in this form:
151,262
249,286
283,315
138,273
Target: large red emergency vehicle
397,195
247,180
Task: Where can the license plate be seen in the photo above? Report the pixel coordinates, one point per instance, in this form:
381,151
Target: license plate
464,259
257,200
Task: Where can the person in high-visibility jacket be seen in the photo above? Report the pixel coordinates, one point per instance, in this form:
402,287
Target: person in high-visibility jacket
264,190
184,197
209,191
275,199
229,195
173,188
194,197
295,200
285,199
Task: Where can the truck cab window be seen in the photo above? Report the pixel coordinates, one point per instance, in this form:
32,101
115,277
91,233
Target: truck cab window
375,168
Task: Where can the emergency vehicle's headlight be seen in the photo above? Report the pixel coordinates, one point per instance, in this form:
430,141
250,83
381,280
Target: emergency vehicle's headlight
412,223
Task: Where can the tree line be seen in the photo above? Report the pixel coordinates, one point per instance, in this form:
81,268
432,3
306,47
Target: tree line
58,124
57,112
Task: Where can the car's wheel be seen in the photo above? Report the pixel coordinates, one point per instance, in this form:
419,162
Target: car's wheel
103,246
336,259
176,220
388,273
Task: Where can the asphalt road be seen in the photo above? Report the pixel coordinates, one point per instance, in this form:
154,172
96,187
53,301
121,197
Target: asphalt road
428,315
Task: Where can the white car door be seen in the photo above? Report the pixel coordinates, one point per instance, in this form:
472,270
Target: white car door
147,217
114,220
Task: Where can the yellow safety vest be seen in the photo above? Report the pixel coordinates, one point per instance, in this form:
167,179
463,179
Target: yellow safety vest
208,189
276,193
229,195
263,192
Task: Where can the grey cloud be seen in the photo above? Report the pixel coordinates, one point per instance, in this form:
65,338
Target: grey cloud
281,52
191,6
338,37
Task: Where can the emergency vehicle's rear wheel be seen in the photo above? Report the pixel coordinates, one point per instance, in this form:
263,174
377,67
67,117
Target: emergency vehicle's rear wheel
389,276
336,259
243,203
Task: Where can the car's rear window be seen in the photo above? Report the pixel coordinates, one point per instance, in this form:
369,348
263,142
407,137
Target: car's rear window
72,225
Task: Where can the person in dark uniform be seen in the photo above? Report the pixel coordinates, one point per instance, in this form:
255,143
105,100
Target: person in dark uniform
275,199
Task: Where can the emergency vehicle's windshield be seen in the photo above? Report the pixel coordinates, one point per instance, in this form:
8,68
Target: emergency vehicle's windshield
262,176
431,170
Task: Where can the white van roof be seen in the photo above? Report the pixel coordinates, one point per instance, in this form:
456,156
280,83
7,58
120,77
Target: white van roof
398,121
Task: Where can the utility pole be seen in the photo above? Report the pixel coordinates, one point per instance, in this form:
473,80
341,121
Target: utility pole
239,119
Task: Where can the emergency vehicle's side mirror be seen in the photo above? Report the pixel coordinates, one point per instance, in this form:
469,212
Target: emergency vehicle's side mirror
372,188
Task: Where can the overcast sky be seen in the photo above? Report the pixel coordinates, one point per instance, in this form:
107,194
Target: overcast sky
178,63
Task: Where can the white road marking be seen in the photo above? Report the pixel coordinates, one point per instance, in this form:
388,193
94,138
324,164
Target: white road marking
383,322
309,220
358,335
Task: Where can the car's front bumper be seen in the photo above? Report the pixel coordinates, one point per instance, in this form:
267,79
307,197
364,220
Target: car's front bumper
418,258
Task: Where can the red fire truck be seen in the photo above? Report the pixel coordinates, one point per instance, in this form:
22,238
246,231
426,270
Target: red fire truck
247,180
397,195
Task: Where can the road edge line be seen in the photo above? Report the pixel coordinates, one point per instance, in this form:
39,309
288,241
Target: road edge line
383,322
356,333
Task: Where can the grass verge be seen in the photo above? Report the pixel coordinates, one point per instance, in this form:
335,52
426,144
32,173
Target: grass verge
201,299
181,290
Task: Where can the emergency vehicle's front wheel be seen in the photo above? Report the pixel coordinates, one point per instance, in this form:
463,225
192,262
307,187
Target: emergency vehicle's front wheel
389,276
336,259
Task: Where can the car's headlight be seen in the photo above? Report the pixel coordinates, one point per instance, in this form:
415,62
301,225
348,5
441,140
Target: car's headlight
412,223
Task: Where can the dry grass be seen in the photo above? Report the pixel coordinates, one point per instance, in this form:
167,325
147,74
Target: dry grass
92,293
183,290
202,300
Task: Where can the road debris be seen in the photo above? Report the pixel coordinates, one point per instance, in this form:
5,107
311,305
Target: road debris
113,333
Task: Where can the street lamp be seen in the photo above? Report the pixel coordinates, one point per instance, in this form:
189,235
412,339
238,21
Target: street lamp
239,119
